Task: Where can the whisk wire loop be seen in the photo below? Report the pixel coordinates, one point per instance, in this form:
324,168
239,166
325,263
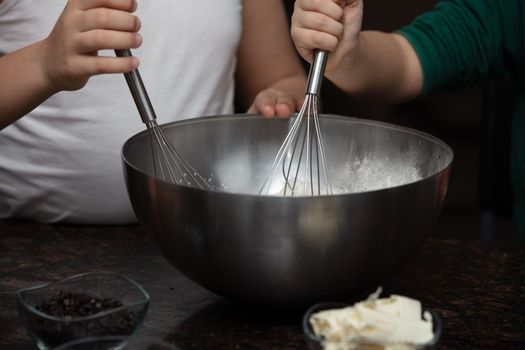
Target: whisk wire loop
321,151
304,138
168,164
301,157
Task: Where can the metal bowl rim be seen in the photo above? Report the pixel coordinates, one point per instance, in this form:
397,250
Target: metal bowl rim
355,120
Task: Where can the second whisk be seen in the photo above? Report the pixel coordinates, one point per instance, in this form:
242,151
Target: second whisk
301,158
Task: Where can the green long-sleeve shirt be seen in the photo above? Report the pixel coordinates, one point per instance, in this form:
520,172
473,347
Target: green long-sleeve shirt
462,42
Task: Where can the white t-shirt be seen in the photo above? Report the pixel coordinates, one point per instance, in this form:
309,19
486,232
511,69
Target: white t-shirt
62,161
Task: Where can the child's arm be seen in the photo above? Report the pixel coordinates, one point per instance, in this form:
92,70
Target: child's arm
68,56
368,64
269,75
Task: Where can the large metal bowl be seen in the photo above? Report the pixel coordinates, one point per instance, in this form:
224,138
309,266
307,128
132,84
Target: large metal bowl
290,251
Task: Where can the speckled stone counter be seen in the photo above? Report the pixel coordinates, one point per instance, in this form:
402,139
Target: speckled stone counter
477,287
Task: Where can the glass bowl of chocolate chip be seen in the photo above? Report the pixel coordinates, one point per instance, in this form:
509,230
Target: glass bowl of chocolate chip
89,304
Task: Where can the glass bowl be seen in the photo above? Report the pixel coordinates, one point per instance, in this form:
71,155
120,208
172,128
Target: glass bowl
314,342
116,342
89,304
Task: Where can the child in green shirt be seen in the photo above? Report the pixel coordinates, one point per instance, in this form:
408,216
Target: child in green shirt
459,43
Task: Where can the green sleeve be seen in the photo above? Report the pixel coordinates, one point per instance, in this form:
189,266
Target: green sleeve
463,41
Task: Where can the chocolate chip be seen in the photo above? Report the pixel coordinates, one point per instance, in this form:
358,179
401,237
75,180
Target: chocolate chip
70,306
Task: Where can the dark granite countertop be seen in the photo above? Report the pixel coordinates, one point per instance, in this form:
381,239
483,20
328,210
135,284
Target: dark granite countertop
477,287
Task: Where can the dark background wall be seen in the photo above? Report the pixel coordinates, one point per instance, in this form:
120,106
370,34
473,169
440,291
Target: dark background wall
475,122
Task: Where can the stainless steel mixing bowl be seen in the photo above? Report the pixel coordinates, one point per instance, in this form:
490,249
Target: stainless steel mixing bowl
290,251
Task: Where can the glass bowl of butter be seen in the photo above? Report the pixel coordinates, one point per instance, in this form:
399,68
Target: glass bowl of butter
393,323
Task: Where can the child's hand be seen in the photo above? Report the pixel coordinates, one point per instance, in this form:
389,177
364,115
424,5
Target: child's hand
275,102
84,27
331,25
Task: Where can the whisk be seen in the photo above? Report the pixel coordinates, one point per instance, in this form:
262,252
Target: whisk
301,156
168,164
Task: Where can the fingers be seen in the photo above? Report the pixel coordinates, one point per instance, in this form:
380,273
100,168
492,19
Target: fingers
73,74
316,24
93,65
299,104
273,102
83,28
123,5
312,39
330,8
105,24
320,22
264,105
285,105
100,39
103,18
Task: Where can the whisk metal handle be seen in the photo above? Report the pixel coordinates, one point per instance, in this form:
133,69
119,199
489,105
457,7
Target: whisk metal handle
316,74
138,91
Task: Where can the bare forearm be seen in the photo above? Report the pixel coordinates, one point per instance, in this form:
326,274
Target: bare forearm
384,68
67,58
266,57
23,85
292,81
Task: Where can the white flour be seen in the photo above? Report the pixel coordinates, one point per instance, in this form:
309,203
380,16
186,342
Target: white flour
365,175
